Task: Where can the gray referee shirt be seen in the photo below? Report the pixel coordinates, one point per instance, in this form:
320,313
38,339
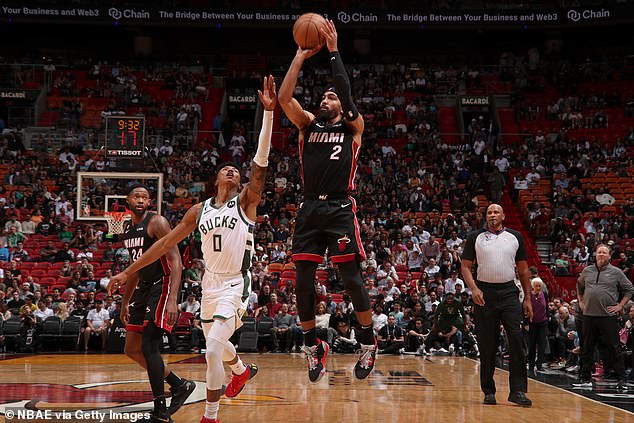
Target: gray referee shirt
495,253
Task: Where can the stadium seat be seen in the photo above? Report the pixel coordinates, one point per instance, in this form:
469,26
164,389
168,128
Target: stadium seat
11,331
51,331
248,335
71,331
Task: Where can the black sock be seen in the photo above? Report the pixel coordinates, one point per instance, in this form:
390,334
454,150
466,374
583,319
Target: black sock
366,337
160,407
310,337
173,380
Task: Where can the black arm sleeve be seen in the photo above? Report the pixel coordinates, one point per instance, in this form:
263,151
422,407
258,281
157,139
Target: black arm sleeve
342,85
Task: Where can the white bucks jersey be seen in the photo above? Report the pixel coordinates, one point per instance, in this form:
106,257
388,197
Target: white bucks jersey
227,237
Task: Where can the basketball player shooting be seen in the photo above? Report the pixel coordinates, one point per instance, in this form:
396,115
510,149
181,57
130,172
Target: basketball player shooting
226,224
149,303
328,148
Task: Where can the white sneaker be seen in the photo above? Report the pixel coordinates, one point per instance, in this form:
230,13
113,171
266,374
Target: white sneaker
432,350
572,369
451,349
442,350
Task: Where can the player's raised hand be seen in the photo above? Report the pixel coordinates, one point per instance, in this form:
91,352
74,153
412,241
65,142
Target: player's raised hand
306,53
116,282
268,94
330,34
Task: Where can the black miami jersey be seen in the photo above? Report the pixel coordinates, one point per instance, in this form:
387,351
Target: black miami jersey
328,158
137,240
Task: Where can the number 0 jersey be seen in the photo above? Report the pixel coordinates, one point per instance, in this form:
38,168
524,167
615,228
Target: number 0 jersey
328,157
137,240
227,237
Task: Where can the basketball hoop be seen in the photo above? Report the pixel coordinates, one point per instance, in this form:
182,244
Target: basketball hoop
116,220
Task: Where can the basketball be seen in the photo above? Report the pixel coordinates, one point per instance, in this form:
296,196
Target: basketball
307,30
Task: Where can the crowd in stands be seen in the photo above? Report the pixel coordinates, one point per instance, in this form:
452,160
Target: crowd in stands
419,196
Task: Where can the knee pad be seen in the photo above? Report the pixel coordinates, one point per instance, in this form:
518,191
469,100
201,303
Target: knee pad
353,282
215,370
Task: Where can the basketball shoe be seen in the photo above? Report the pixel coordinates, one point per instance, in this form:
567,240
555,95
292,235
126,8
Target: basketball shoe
206,420
366,357
238,381
316,356
180,394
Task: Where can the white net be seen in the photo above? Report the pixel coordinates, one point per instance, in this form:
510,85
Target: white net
115,221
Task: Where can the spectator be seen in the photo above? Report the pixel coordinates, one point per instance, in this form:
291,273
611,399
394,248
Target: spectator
282,323
19,253
42,312
390,337
97,323
538,327
191,305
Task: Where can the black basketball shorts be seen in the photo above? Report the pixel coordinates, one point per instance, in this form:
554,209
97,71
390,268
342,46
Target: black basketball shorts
331,224
148,304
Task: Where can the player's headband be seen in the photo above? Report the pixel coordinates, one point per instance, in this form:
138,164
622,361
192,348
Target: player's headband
332,90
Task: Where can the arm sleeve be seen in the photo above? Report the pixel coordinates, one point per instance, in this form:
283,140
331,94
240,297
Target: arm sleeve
264,143
625,285
342,85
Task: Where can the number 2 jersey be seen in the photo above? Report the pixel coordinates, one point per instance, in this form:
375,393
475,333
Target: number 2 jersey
328,157
137,240
227,237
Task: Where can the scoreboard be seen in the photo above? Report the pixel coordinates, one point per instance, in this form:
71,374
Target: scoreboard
125,136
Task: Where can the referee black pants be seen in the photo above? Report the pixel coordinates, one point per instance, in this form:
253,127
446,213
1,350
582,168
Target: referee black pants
595,329
501,304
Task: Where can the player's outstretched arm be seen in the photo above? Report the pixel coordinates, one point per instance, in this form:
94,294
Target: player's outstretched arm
294,111
158,228
250,196
342,82
161,247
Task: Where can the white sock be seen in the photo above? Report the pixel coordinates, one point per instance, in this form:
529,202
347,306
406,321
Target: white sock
211,409
239,367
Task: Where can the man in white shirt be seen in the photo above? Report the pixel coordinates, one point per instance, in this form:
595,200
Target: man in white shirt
378,319
432,268
28,226
533,177
97,323
454,240
450,284
191,305
42,311
385,271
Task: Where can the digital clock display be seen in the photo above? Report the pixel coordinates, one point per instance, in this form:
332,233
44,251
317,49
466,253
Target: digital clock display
125,136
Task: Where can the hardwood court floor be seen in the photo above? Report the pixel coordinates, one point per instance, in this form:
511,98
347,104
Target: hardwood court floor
402,389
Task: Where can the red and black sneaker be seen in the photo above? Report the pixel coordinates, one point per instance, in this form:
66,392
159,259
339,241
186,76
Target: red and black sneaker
238,381
316,356
206,420
366,356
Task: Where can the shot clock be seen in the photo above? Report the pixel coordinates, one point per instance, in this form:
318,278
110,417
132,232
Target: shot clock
125,136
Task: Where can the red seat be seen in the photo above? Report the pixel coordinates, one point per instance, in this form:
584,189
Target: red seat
37,273
400,268
27,265
53,273
59,286
43,265
288,274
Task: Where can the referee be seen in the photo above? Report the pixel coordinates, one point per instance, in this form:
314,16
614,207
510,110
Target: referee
497,250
